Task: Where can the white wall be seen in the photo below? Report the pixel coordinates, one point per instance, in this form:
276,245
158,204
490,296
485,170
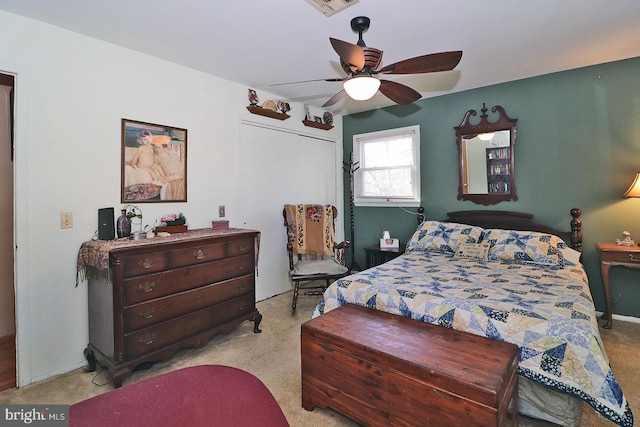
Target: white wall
72,92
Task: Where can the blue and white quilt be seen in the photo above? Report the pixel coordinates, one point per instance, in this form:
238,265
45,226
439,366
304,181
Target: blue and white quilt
548,313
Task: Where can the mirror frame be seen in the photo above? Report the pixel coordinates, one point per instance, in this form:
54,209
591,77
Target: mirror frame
467,130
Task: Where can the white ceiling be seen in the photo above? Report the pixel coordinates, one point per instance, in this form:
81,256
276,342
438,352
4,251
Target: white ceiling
258,42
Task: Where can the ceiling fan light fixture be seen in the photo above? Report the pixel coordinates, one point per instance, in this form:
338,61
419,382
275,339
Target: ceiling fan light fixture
361,88
487,136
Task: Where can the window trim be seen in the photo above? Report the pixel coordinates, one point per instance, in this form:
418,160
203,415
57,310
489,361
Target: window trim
411,201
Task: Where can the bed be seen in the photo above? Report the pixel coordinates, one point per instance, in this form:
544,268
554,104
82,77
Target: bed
501,275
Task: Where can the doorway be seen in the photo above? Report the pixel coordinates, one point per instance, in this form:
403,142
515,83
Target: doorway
7,291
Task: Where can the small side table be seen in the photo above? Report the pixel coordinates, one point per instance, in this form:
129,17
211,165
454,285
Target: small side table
611,255
376,256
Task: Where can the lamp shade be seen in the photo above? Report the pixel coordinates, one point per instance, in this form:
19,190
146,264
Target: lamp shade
361,88
634,189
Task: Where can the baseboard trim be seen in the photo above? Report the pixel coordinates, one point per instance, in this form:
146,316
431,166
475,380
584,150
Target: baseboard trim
622,318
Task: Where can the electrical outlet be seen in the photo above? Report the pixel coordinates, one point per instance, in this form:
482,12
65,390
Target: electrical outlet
66,220
221,211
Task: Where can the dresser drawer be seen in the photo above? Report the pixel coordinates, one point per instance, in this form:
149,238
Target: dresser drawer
196,254
160,309
144,288
135,265
166,333
240,247
625,257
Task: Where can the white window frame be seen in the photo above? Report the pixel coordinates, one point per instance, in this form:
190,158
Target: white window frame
390,200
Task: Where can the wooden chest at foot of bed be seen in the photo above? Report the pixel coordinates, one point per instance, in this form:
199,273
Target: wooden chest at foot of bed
382,369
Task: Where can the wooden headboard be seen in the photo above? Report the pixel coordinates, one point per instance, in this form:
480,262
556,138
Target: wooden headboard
520,221
516,221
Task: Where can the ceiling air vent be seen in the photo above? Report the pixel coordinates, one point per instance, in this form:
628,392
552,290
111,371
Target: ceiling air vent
331,7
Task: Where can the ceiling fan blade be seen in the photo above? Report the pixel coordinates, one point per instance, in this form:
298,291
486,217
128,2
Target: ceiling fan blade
351,54
335,98
335,79
443,61
398,93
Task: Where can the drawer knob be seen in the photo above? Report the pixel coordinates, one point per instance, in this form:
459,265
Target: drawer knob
148,339
241,246
147,286
242,286
147,314
199,254
631,258
241,265
145,263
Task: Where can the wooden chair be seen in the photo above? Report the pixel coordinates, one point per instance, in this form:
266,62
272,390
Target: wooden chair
313,253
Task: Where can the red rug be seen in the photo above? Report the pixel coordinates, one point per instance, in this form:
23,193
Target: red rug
199,396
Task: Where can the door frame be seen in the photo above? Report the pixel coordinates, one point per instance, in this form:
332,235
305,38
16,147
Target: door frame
20,217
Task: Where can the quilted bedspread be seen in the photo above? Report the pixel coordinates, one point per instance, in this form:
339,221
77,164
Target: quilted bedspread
547,313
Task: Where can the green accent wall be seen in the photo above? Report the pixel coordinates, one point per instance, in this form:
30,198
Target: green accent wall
578,145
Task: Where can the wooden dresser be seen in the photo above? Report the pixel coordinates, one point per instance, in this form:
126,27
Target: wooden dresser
150,298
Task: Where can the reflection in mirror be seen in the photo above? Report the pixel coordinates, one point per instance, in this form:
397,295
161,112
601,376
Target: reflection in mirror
487,165
486,158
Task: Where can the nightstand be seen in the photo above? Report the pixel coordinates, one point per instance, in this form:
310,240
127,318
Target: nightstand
612,254
376,256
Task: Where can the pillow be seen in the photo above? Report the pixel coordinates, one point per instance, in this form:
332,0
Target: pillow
443,237
525,247
571,256
474,250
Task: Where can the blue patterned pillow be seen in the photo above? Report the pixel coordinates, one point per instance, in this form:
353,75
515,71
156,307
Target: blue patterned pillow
525,247
443,237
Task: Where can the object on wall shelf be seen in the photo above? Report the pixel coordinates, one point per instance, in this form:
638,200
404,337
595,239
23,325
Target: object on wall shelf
317,125
267,113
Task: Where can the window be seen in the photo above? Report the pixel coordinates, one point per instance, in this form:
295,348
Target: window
388,167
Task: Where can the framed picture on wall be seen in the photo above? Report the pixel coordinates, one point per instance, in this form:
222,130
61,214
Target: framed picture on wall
154,163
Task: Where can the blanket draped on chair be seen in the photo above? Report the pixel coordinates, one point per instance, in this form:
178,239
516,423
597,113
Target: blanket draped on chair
310,229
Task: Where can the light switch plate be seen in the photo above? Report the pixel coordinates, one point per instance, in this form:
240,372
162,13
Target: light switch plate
66,220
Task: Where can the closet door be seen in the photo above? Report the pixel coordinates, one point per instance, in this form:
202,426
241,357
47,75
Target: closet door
277,167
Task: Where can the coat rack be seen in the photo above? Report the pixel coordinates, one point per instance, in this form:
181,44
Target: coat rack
350,167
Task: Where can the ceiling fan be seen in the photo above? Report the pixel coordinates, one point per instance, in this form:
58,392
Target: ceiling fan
361,62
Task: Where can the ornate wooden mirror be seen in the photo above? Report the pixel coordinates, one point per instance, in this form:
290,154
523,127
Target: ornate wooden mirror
486,157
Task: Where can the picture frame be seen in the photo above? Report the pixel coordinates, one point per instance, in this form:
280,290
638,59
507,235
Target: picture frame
317,119
153,163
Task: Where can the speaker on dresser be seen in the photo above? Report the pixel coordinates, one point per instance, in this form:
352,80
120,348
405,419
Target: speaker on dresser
106,221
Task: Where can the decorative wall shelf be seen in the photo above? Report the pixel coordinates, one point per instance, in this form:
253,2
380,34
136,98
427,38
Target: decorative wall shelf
267,113
317,125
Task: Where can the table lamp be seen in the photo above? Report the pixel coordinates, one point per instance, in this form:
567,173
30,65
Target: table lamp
634,189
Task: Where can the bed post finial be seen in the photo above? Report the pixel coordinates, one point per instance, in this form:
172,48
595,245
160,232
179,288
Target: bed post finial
420,215
576,229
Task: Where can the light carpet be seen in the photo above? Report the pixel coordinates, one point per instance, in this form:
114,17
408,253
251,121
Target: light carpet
274,357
